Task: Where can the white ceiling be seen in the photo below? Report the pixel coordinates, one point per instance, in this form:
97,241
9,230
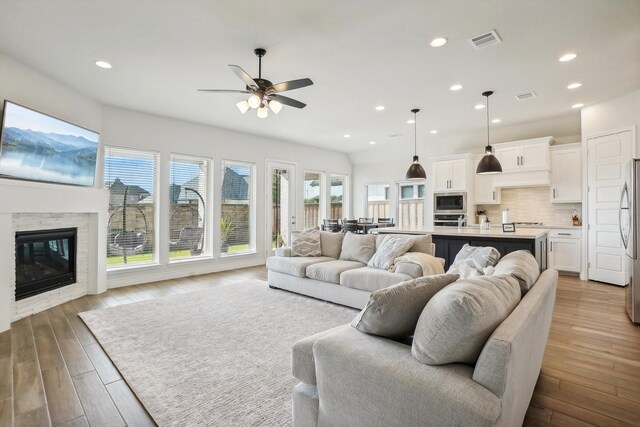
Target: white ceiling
359,54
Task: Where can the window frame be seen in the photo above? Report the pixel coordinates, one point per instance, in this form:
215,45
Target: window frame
252,209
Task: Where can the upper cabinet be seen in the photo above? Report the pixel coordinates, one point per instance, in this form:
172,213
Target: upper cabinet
450,175
485,190
566,173
524,156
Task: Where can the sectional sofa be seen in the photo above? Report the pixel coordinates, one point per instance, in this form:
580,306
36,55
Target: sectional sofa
342,281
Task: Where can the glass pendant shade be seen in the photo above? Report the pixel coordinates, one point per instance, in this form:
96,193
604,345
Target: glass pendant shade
254,101
243,106
489,164
275,106
263,112
415,171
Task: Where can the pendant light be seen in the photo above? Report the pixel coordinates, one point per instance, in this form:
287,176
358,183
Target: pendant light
489,163
415,171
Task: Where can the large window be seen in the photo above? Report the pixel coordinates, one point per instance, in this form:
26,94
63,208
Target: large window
410,204
188,207
313,200
338,184
130,176
378,201
237,222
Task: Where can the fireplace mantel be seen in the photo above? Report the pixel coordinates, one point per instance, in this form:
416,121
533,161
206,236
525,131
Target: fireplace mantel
17,197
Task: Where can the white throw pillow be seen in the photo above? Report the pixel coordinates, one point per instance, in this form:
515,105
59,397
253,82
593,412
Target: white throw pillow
391,248
472,260
358,247
305,243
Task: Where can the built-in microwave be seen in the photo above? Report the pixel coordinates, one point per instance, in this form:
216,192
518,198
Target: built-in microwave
450,203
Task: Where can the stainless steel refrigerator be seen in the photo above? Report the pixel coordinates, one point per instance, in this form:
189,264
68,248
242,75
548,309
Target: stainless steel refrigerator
629,213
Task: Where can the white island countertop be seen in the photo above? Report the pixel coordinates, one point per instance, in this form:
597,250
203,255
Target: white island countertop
496,231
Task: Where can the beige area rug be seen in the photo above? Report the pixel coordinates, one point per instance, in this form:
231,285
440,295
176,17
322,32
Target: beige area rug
218,357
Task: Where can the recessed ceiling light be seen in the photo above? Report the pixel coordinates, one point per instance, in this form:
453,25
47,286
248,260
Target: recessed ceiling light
103,64
372,142
567,57
455,87
411,121
574,85
496,121
479,106
433,131
346,135
380,108
578,105
438,42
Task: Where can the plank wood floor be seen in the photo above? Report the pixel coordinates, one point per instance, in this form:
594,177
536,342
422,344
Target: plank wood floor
54,373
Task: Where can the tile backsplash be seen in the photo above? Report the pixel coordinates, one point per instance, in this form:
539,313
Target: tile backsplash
531,204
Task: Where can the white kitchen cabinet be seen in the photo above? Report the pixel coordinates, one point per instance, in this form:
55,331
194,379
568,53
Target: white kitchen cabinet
524,156
450,175
564,249
485,190
566,174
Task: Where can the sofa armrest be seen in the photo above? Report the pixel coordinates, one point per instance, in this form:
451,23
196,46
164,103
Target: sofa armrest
302,362
283,251
365,380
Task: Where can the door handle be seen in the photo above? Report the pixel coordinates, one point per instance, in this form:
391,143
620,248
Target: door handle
518,160
554,193
521,160
494,195
550,246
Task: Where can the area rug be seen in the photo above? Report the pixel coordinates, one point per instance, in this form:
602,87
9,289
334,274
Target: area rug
218,357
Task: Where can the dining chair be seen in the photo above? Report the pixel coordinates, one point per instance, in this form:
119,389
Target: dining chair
388,222
331,225
349,225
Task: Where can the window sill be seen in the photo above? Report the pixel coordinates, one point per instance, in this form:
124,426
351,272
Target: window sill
239,254
191,259
124,269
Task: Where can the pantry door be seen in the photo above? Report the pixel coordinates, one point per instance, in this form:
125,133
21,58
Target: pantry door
608,156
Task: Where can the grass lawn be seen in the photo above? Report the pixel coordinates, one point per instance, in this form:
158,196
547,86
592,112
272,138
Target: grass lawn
147,258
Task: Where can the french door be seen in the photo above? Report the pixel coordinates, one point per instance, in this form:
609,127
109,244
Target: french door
281,215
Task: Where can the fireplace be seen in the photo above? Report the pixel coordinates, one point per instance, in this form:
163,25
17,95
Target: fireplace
45,260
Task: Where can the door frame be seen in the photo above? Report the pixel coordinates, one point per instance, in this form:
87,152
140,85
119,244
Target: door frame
293,192
584,273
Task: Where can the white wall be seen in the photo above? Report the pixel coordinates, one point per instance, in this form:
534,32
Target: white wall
126,128
614,114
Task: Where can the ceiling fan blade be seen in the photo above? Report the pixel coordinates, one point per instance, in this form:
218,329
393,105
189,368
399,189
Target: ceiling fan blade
291,85
246,78
223,91
287,101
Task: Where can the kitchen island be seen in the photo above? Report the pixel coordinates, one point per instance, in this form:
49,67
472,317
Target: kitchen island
449,240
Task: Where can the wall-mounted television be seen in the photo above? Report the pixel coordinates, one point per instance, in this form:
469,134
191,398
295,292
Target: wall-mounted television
38,147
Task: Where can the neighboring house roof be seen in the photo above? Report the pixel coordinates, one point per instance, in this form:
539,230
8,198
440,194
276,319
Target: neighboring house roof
135,194
234,186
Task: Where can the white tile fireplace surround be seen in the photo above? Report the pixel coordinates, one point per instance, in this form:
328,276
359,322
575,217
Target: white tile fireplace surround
33,206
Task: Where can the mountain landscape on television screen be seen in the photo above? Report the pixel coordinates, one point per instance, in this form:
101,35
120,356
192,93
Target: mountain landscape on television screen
57,158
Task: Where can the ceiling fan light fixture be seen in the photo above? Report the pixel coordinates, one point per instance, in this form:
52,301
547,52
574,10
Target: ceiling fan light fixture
263,112
243,106
489,164
275,106
254,101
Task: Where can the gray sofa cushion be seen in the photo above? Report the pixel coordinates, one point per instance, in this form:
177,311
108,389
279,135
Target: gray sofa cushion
521,265
331,244
371,279
330,271
305,243
458,320
420,243
294,266
393,312
409,268
391,248
358,247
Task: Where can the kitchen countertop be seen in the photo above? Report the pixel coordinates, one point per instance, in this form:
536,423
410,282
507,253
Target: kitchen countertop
544,226
495,231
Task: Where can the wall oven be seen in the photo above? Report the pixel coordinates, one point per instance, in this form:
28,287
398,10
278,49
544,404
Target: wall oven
450,203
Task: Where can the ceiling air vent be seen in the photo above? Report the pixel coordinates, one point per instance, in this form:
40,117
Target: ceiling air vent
486,39
524,96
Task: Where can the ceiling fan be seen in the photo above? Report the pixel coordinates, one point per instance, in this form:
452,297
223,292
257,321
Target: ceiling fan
264,94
